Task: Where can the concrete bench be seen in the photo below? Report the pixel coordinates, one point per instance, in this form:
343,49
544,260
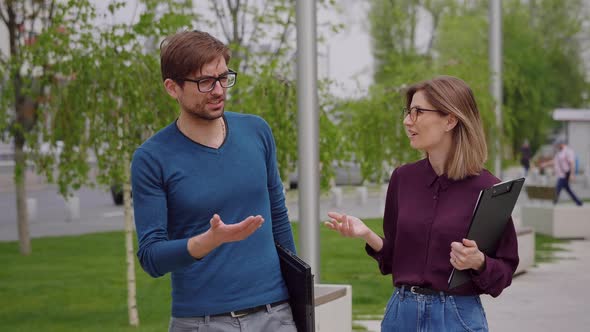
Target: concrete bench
565,221
333,307
543,193
526,249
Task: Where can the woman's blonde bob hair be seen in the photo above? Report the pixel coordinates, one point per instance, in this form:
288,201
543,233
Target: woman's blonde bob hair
451,95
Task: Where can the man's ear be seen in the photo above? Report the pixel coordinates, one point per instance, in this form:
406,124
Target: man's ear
451,122
171,88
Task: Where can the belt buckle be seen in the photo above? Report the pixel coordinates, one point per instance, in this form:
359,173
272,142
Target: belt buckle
412,290
235,315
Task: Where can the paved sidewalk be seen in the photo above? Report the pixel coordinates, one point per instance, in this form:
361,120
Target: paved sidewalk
549,297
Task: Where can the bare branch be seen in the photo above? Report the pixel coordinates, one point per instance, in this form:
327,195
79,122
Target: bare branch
36,12
50,14
243,20
284,34
234,12
435,20
245,60
12,31
134,13
257,22
436,12
220,16
2,16
32,17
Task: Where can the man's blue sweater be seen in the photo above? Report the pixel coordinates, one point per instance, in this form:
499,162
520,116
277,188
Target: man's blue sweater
179,184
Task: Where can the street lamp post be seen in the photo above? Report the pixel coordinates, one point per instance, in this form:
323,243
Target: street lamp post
495,58
308,135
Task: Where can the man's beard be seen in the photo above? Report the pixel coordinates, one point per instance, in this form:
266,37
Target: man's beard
200,112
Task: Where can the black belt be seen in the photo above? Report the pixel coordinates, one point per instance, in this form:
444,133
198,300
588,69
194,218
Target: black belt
421,290
244,312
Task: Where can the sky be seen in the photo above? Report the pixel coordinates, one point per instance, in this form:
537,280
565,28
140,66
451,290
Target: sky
349,62
344,56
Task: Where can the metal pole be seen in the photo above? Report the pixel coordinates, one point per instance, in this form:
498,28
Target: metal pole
495,54
308,133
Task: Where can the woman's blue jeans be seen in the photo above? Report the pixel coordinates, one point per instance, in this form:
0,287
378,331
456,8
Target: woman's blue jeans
406,311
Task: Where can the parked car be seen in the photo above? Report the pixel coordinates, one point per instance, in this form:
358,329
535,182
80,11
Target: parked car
117,194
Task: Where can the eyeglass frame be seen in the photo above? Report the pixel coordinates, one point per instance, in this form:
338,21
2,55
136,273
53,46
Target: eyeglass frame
216,79
408,111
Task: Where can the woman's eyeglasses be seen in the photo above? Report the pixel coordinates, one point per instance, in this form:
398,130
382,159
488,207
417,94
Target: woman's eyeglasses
415,112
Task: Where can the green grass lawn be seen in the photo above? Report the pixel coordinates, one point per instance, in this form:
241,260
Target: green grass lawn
77,283
344,261
545,248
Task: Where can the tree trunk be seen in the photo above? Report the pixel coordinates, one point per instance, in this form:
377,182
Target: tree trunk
130,257
20,171
20,166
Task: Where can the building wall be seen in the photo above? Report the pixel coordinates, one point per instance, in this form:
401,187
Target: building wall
579,141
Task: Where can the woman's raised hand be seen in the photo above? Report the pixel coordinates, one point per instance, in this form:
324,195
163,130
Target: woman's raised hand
348,226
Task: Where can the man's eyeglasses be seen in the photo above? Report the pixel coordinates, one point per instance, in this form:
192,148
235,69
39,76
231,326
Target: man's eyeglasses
415,112
207,84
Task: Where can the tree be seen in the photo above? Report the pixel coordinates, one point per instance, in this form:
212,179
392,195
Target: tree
541,58
395,25
543,66
109,99
259,33
23,86
541,63
373,125
462,50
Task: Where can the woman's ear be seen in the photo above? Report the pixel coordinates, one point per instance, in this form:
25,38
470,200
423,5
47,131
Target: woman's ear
451,122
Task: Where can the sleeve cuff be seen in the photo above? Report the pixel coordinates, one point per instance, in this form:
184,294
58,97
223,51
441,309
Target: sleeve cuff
481,278
377,254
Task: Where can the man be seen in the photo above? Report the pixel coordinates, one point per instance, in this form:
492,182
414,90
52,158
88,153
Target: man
209,202
525,156
564,166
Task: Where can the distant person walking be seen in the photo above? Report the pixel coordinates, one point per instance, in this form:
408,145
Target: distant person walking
525,156
564,165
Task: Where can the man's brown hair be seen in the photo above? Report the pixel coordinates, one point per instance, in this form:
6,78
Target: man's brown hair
451,95
185,53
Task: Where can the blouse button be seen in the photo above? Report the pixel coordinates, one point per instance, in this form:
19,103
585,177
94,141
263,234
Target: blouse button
434,197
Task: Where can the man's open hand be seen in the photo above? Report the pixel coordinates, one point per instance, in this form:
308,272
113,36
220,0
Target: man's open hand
219,233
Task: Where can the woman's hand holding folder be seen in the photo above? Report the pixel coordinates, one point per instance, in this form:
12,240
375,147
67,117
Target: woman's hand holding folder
466,255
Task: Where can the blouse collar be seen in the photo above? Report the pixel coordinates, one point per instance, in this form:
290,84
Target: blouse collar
433,179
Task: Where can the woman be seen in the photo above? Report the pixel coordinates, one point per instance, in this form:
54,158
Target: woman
427,213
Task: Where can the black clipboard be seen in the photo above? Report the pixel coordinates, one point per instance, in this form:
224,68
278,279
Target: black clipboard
490,215
299,281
